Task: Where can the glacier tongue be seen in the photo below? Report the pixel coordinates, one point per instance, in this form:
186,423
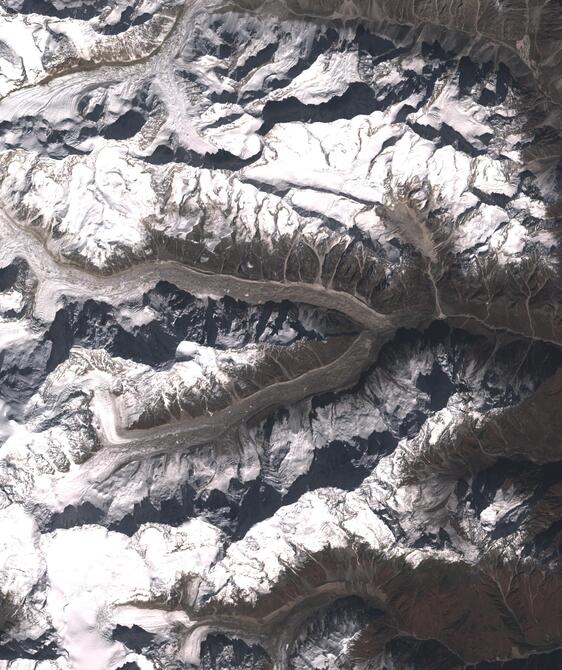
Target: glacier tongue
280,335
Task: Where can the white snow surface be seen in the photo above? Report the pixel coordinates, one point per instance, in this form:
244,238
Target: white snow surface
103,209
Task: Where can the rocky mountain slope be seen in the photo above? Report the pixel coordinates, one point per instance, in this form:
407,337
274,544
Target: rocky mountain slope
280,335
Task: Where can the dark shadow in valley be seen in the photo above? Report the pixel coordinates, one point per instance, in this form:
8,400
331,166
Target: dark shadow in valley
149,332
450,361
43,648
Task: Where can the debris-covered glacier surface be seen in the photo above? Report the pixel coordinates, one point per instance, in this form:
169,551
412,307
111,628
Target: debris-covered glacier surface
280,335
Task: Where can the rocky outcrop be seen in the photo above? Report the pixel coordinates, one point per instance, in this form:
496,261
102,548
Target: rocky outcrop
280,335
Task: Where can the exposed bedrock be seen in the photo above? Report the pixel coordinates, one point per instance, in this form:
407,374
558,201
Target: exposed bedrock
465,614
397,236
526,34
280,328
422,392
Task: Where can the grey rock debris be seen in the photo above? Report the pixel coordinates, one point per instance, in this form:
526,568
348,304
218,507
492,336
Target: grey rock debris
280,335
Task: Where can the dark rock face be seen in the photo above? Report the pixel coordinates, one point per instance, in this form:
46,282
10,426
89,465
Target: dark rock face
280,335
439,374
325,639
218,652
127,16
150,330
43,649
167,317
547,660
135,638
76,10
